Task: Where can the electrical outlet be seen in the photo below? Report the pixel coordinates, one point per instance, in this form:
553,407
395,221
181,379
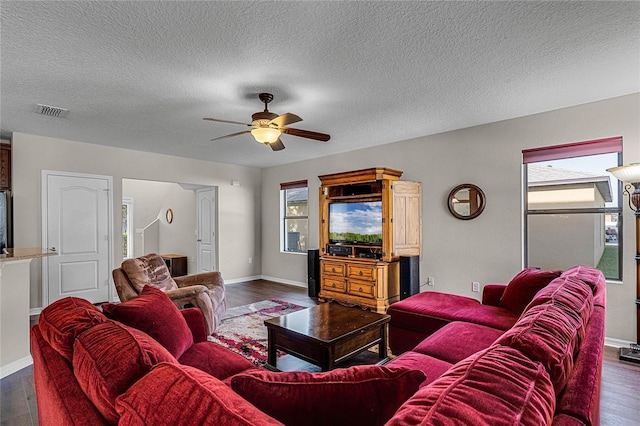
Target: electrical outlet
475,286
431,281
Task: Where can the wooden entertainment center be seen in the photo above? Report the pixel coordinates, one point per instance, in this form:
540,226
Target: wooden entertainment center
367,274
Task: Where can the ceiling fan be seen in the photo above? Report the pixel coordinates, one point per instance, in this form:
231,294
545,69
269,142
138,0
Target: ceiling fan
268,126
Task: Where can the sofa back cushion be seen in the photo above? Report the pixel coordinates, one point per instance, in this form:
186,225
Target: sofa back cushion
593,278
496,386
150,270
347,396
63,320
182,396
524,286
109,358
155,314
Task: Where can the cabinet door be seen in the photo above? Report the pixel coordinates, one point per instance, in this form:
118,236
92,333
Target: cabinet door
407,218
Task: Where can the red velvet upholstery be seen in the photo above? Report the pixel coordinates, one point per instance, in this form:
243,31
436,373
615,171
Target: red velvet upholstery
430,366
494,387
216,360
62,321
184,396
492,293
154,313
60,398
458,340
524,286
367,395
425,313
103,374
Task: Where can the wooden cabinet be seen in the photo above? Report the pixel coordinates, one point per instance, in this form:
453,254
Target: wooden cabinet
367,274
176,263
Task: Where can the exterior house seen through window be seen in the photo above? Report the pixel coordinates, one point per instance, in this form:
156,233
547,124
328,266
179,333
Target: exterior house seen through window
573,214
294,210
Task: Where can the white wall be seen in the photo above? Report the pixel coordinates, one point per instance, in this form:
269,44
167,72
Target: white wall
489,248
150,201
238,206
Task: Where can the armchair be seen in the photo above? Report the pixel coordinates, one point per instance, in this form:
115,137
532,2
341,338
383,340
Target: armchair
204,291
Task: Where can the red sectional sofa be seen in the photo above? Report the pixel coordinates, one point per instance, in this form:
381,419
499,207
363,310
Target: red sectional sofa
144,362
535,344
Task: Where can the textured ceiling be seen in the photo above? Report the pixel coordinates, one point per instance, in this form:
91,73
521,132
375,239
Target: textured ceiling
142,75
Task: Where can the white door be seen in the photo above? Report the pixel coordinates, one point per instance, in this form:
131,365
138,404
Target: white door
206,238
77,225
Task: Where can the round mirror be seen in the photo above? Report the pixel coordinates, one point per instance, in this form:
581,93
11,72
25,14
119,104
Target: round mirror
466,201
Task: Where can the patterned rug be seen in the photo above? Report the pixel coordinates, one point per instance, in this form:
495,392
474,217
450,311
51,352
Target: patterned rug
243,331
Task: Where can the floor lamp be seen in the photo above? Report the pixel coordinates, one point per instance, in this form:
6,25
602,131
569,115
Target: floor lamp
630,174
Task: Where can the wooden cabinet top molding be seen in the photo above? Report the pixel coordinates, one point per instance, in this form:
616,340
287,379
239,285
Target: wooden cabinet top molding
364,175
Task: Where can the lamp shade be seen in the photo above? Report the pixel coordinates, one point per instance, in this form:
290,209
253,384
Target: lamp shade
266,134
629,173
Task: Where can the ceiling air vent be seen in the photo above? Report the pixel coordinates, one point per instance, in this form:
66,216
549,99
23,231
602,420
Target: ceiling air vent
51,111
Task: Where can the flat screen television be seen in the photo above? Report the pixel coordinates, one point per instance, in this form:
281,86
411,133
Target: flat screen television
355,223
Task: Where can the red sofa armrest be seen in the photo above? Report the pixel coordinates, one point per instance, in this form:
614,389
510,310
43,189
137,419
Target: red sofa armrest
195,321
491,294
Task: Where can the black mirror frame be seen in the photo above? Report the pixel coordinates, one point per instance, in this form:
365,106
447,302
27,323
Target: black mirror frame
481,205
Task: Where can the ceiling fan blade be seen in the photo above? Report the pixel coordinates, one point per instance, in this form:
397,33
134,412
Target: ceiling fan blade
306,134
226,121
286,119
277,145
232,134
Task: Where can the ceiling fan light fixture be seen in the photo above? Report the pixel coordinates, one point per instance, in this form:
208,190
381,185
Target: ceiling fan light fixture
266,135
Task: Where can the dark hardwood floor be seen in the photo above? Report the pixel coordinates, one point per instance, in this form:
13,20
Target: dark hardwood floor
619,400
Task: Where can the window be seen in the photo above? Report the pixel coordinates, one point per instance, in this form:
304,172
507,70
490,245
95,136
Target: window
294,212
127,225
573,214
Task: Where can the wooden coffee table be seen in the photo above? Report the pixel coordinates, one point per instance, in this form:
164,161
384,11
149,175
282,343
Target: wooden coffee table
327,334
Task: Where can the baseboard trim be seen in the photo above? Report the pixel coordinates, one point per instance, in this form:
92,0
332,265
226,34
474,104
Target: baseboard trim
616,343
265,277
283,281
15,366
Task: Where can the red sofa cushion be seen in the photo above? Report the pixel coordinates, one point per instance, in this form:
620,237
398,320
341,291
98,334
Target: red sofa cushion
524,286
155,314
216,360
548,334
569,292
430,311
430,366
497,386
357,395
109,358
179,395
63,320
593,278
458,340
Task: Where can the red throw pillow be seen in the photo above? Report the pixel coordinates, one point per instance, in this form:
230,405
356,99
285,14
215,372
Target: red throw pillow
181,395
358,395
524,286
109,358
155,314
63,320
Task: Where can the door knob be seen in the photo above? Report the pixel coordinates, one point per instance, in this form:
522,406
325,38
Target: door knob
52,248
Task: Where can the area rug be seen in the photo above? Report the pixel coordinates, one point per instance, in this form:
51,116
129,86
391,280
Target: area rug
242,329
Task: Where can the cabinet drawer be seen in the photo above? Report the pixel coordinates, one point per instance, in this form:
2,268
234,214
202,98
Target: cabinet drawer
361,272
362,288
334,284
333,268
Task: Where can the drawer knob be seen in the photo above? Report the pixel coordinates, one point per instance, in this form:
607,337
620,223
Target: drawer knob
360,289
333,285
333,269
360,273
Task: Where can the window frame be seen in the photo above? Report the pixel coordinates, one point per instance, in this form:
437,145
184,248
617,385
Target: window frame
128,201
284,217
573,150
